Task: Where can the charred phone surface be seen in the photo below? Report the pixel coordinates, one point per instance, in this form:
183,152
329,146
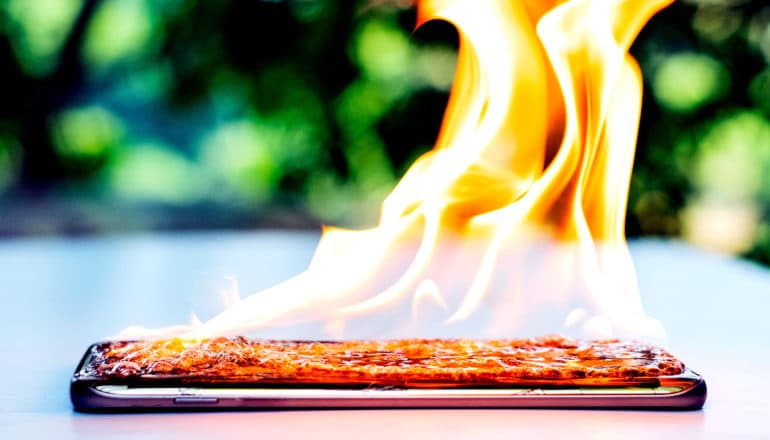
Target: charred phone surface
406,363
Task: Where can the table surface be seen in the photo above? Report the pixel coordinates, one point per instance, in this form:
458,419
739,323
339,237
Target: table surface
60,294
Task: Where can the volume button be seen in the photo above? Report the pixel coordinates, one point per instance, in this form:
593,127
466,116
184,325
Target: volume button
196,400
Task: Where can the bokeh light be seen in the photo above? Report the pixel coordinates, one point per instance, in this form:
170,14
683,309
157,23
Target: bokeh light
684,82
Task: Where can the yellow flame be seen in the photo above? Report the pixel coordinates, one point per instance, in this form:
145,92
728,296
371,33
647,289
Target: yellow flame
521,204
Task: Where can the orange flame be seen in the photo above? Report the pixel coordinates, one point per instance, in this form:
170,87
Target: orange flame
514,222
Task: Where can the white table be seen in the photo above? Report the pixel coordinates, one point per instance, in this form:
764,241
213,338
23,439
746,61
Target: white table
59,295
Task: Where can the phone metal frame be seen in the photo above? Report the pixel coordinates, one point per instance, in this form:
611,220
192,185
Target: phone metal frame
686,391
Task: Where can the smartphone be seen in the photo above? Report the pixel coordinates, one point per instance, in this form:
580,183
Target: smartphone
685,391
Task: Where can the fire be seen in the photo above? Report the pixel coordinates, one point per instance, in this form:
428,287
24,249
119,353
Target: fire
513,225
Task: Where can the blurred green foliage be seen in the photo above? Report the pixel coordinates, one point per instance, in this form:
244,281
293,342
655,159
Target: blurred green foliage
126,114
703,162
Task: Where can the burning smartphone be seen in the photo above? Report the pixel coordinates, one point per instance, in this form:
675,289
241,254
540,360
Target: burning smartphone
242,374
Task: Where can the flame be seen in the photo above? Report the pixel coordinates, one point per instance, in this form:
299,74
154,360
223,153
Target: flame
514,222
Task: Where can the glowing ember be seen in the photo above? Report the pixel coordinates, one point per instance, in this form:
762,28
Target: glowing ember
514,223
401,363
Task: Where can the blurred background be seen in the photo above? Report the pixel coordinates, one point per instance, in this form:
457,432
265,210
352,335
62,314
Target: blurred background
130,115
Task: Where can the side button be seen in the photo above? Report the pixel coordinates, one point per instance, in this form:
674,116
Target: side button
196,400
